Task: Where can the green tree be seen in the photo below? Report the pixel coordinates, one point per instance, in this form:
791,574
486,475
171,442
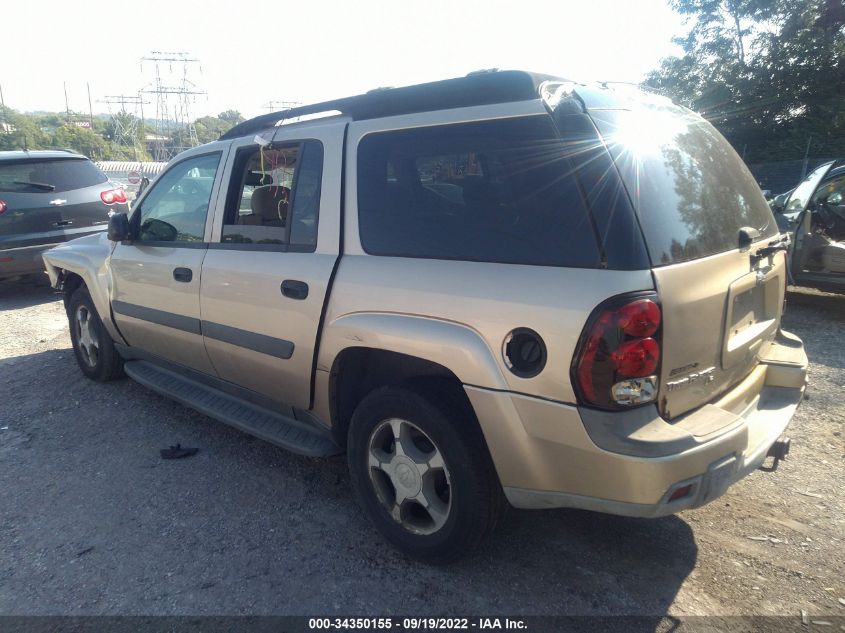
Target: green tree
769,73
232,117
82,140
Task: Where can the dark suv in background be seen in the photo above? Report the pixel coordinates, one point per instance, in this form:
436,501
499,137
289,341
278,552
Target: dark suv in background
49,197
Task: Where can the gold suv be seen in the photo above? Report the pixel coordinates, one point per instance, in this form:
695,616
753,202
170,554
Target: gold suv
501,287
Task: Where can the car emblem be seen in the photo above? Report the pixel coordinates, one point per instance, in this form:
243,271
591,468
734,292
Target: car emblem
58,201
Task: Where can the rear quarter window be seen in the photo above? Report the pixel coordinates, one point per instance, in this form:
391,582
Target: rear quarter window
53,175
691,191
492,191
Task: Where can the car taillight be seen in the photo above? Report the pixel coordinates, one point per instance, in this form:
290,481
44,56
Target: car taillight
112,196
617,362
2,207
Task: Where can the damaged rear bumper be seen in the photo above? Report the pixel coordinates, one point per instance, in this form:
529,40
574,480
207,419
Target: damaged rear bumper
635,463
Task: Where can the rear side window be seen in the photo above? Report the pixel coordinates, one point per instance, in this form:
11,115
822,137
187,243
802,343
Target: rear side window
492,191
274,197
691,190
54,175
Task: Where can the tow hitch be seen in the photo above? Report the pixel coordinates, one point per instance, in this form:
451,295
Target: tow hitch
779,450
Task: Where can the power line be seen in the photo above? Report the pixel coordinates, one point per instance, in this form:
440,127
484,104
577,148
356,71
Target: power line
168,87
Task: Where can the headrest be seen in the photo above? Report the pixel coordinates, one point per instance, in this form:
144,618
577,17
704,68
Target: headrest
271,202
256,179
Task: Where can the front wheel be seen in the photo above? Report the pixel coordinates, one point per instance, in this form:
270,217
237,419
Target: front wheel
422,473
94,349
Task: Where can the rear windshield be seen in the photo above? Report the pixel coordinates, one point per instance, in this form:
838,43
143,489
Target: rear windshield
491,191
691,190
54,175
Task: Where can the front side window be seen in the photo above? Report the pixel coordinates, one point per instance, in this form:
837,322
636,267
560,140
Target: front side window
492,191
176,207
274,197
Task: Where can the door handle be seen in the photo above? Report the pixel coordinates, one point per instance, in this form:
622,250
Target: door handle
183,274
295,289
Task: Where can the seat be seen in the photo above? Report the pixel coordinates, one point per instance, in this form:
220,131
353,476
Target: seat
269,206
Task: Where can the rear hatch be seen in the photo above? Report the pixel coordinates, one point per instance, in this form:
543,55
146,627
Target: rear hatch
50,200
694,198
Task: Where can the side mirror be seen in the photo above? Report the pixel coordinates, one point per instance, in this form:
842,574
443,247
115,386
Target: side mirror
834,199
118,227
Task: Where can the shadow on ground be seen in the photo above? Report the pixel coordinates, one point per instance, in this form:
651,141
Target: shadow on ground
24,292
98,523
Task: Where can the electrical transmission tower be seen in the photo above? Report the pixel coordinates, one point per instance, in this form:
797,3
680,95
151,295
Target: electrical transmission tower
174,93
125,123
280,106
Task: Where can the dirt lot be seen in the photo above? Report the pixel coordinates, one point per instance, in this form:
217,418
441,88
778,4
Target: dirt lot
92,521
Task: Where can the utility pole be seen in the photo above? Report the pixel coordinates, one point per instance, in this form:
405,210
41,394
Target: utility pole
90,107
67,107
806,158
2,102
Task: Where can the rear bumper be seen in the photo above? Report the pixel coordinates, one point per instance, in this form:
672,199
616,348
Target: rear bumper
551,455
22,261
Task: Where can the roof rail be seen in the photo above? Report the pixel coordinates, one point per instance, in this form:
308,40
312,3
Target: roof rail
475,89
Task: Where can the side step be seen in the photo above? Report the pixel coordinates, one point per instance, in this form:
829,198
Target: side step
293,435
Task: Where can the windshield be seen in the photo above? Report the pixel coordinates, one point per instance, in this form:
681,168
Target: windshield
54,175
691,190
801,196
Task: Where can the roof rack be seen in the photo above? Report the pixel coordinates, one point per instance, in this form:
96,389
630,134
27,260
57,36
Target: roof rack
480,88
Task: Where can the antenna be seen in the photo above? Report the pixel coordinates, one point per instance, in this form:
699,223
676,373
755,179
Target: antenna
174,92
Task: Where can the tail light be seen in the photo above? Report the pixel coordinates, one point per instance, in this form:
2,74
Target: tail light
618,357
2,207
113,196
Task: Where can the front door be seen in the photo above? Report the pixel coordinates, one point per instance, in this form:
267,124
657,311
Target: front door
274,246
156,275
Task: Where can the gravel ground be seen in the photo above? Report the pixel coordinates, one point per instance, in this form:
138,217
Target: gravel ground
92,521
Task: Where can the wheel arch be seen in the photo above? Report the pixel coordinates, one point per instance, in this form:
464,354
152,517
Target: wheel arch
76,264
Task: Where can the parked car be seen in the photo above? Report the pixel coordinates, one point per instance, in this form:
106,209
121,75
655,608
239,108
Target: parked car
49,197
502,287
814,214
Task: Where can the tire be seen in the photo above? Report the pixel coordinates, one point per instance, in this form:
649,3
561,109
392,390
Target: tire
464,496
93,347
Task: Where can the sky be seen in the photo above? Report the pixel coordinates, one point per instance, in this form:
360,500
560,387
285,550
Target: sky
255,52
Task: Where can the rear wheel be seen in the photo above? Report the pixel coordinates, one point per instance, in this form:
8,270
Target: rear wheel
422,473
94,349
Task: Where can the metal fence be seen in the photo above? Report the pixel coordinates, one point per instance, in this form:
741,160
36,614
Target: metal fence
118,171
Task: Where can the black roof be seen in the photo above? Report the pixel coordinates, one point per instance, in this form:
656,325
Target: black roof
480,88
35,154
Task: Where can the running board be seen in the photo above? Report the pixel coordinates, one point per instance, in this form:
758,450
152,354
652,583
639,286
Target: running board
293,435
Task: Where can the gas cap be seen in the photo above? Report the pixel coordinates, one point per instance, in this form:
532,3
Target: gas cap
524,352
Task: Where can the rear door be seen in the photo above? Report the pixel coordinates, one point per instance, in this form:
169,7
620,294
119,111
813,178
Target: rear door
50,200
275,243
156,276
693,196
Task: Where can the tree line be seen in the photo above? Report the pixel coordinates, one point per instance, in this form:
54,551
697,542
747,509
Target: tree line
99,141
769,74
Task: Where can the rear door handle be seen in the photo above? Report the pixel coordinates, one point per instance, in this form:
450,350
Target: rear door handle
294,289
183,274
